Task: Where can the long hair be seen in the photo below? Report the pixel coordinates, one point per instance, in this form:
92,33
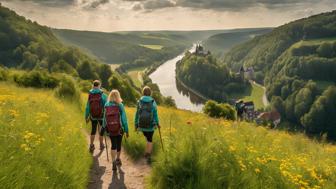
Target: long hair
115,96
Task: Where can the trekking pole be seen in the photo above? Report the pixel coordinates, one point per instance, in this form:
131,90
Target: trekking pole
161,139
106,149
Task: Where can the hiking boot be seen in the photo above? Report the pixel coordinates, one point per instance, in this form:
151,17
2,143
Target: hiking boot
102,147
114,165
118,162
91,148
148,158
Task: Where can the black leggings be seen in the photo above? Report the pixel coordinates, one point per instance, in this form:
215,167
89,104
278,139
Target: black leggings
148,135
95,125
116,142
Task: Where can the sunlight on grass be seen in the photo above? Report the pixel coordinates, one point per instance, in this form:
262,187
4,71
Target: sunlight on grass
255,96
136,76
201,152
41,140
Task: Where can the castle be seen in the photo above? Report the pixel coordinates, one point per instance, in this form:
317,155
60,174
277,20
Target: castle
200,51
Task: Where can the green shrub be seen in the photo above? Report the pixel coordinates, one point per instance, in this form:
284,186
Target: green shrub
67,89
36,79
3,74
214,109
85,85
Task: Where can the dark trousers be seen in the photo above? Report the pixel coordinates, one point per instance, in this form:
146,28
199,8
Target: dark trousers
116,142
95,125
148,135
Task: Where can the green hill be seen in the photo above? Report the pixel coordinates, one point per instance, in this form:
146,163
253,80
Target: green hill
42,145
296,62
205,74
136,49
29,46
221,43
125,47
199,151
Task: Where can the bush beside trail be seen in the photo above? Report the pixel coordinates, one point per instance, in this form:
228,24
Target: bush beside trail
41,142
218,110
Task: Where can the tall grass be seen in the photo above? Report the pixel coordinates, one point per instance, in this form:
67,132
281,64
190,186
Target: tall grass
42,145
201,152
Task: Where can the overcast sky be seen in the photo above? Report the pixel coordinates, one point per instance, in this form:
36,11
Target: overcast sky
122,15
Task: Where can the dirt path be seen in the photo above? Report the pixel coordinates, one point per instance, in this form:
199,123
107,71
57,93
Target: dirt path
130,175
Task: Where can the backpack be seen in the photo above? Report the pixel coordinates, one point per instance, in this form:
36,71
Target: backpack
145,114
112,115
96,106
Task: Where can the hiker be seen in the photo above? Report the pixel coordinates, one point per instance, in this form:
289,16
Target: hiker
94,113
146,119
240,107
115,123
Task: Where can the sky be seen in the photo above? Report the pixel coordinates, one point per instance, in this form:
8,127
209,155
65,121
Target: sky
135,15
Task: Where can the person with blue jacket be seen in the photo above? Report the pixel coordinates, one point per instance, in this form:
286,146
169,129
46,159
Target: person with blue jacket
147,119
94,113
115,123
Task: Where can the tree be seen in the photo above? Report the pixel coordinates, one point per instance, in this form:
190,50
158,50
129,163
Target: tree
86,72
321,117
105,73
325,50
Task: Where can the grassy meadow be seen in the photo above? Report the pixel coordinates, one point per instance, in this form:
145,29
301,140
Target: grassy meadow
42,145
201,152
256,96
136,76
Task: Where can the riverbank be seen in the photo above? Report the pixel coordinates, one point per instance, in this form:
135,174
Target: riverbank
198,94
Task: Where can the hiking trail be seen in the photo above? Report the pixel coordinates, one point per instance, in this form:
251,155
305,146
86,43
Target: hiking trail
130,175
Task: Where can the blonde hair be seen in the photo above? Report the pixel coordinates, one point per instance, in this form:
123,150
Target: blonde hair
115,96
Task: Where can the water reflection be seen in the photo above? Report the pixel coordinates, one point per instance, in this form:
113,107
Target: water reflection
165,77
194,98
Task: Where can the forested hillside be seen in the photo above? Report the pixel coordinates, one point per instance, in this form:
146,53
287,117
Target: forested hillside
27,45
297,64
221,43
131,49
206,75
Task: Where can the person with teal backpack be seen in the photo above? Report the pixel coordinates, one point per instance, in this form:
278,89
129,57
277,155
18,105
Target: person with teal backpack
94,113
147,119
115,123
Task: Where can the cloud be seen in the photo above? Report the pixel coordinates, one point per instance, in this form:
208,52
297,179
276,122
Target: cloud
230,5
96,3
137,7
52,3
60,3
157,4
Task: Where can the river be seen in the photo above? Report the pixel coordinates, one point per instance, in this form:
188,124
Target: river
165,77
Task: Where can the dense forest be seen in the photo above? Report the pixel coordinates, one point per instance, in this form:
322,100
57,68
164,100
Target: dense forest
212,79
297,64
221,43
29,46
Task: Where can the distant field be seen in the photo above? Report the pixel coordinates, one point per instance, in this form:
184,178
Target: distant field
154,47
136,76
255,96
